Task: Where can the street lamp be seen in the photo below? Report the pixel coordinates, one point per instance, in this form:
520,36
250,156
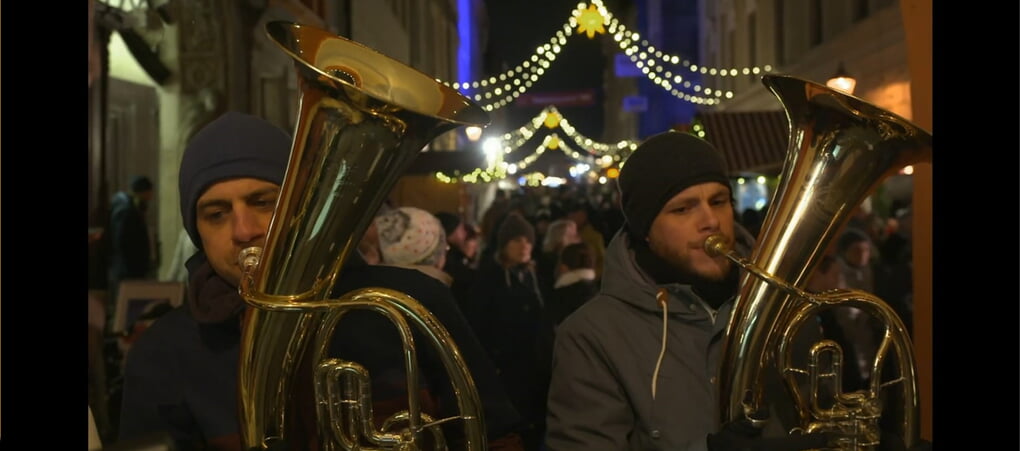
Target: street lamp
842,81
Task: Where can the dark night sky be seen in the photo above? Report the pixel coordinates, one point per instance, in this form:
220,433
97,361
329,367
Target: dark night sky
517,28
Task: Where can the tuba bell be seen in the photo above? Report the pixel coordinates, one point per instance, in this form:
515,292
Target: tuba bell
362,119
841,148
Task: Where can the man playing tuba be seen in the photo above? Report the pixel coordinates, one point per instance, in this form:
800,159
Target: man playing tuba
181,376
635,367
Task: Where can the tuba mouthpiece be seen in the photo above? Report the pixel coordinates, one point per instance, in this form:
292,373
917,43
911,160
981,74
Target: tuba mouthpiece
717,246
249,258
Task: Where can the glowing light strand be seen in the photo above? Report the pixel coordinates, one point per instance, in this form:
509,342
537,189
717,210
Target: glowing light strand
663,69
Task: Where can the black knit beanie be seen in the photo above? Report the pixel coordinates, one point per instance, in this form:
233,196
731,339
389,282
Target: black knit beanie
513,226
662,166
140,184
234,145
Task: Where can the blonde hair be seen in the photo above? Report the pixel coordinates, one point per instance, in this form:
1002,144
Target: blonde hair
555,235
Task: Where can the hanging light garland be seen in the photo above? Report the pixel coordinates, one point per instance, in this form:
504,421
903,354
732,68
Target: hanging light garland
664,70
591,151
500,169
551,118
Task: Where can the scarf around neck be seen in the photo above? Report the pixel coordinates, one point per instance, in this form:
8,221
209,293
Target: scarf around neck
211,299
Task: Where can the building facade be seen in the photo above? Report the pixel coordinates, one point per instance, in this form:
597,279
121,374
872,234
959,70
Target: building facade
808,39
201,58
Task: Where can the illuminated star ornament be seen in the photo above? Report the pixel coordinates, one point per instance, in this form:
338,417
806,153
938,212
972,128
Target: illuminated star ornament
552,119
590,21
554,142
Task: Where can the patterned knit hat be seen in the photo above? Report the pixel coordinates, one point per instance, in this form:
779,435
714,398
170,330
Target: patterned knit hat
410,236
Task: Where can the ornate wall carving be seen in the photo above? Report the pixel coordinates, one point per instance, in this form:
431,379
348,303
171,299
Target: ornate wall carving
202,46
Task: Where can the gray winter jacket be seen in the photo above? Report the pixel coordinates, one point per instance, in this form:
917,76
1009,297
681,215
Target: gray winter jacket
600,397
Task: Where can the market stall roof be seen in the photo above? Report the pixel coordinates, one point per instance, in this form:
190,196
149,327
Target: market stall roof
752,141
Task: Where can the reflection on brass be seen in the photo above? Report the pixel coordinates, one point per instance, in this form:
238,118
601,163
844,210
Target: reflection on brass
363,118
841,149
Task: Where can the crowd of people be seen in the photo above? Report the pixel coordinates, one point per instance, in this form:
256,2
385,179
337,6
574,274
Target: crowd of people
590,317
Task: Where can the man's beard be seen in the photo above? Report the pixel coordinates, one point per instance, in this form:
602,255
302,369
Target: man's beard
714,290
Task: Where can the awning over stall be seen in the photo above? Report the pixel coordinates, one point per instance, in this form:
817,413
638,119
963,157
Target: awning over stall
752,141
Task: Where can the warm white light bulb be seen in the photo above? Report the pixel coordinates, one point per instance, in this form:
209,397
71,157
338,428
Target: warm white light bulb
845,84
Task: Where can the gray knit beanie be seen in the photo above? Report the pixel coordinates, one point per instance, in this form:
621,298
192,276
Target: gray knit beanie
234,145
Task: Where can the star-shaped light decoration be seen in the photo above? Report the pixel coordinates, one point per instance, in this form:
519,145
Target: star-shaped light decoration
552,119
590,22
554,142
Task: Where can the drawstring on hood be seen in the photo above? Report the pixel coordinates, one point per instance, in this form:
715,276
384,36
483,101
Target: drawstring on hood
661,297
645,274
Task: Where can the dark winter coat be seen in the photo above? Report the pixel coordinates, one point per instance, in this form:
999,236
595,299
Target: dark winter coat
509,317
181,375
128,246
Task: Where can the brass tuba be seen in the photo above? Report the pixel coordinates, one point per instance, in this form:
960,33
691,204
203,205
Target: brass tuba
362,119
841,148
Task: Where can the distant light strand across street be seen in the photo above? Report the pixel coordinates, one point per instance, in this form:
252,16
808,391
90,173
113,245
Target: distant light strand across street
591,153
664,70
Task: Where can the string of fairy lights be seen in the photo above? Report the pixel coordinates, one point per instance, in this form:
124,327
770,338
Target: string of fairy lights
551,118
668,71
592,153
663,69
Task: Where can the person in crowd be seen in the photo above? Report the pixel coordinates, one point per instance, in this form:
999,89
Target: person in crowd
494,213
636,366
575,281
580,212
471,244
508,314
612,214
368,246
828,275
541,220
414,238
495,216
128,247
180,378
854,249
895,279
561,233
458,265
